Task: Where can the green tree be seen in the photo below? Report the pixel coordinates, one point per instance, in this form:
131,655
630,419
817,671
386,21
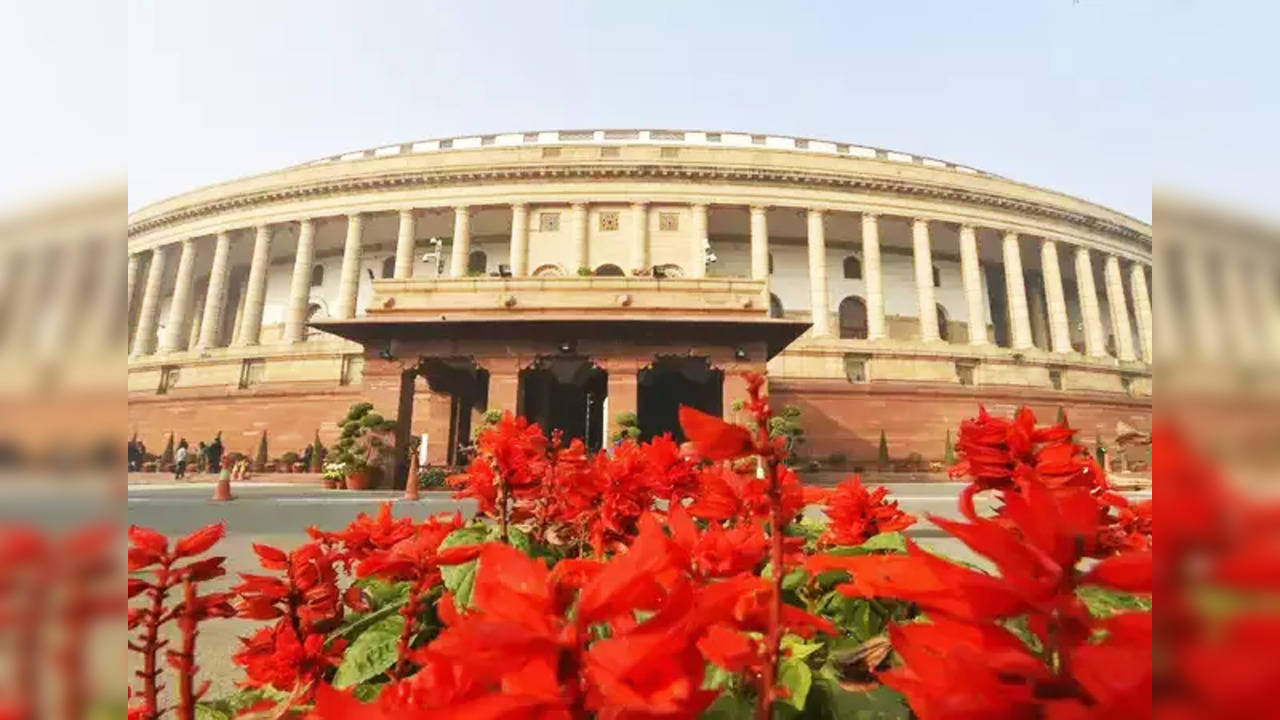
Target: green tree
628,427
166,457
785,424
1062,415
260,458
949,452
882,457
317,449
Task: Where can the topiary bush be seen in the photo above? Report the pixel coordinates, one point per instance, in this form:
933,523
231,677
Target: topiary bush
260,458
365,440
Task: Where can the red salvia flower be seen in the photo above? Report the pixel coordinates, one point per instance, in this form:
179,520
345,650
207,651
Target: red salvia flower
855,514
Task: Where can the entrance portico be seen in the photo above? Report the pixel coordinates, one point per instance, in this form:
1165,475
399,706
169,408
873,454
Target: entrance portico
572,355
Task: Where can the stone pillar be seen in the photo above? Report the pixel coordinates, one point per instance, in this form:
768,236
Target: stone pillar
819,303
638,255
1055,298
460,250
971,276
1266,297
578,223
1095,342
144,338
519,240
623,391
349,277
1016,292
698,251
295,323
923,256
1119,308
1142,309
760,243
404,245
1201,306
872,275
255,292
180,307
216,297
131,275
1244,320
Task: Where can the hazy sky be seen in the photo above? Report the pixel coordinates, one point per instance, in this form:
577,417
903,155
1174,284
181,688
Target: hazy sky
1057,93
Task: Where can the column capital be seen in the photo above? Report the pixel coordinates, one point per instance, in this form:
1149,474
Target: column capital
520,205
408,212
759,209
969,227
698,206
1007,234
461,209
357,216
638,204
919,219
870,215
816,212
578,205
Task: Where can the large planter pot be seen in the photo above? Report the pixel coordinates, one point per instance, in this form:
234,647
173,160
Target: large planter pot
330,483
358,480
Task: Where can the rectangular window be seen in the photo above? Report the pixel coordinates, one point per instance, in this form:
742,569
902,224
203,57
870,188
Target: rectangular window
1055,379
666,135
713,137
610,152
553,152
668,221
446,144
251,372
966,370
855,368
168,379
669,153
608,220
549,222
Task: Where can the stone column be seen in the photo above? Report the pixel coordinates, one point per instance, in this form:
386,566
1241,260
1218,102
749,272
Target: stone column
460,250
1266,297
1095,342
971,276
1204,313
144,338
519,240
1055,298
1142,309
819,304
1119,308
1244,319
623,390
760,243
216,297
295,323
698,252
923,256
578,222
404,245
1016,293
638,255
349,277
131,274
180,307
872,275
255,292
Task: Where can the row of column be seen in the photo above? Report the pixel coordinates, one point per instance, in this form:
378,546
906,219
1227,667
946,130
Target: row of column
177,328
971,277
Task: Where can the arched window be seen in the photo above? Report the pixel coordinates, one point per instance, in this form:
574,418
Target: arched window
548,270
853,268
317,275
477,262
770,263
853,318
775,306
609,270
937,277
389,267
943,331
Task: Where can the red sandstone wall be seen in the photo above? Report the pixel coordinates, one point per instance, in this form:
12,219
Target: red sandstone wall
838,416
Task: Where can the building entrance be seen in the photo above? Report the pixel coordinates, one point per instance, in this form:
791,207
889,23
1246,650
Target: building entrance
672,381
569,394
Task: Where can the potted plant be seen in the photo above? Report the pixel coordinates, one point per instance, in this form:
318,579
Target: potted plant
333,475
364,445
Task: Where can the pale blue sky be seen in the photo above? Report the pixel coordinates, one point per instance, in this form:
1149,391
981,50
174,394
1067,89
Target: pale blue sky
1052,92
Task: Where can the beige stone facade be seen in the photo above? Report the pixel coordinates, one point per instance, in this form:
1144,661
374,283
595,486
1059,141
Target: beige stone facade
924,274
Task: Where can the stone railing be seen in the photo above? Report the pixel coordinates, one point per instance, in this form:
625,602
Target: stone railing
571,297
648,137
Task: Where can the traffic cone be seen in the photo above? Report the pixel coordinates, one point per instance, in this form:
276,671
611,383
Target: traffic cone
222,491
411,482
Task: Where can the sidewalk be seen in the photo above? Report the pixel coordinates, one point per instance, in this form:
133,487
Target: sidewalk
159,478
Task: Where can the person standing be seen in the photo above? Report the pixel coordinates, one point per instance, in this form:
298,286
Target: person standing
202,457
180,460
214,453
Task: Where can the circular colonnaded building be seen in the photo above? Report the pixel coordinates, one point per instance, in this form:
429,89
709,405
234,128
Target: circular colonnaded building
574,276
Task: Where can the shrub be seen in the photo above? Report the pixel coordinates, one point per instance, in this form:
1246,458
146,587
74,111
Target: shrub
317,453
365,440
882,455
288,459
837,460
786,425
432,477
166,457
949,451
628,427
584,272
261,457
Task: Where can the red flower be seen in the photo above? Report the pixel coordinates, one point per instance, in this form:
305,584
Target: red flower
713,438
856,515
276,657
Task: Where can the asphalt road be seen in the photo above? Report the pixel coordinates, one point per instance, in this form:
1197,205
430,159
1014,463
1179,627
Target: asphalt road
279,515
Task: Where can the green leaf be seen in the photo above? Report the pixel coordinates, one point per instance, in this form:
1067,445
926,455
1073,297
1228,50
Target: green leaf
1105,602
794,674
461,579
894,541
831,700
794,579
368,692
212,711
226,708
728,707
798,648
373,651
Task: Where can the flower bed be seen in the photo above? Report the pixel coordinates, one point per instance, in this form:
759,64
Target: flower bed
659,581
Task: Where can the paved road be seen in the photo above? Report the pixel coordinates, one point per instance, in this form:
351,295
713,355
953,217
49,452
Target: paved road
279,515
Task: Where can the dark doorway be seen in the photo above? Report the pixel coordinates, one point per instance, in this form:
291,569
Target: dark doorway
467,386
671,382
567,394
999,303
853,318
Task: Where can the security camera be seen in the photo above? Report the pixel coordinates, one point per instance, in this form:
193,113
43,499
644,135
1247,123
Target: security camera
711,257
